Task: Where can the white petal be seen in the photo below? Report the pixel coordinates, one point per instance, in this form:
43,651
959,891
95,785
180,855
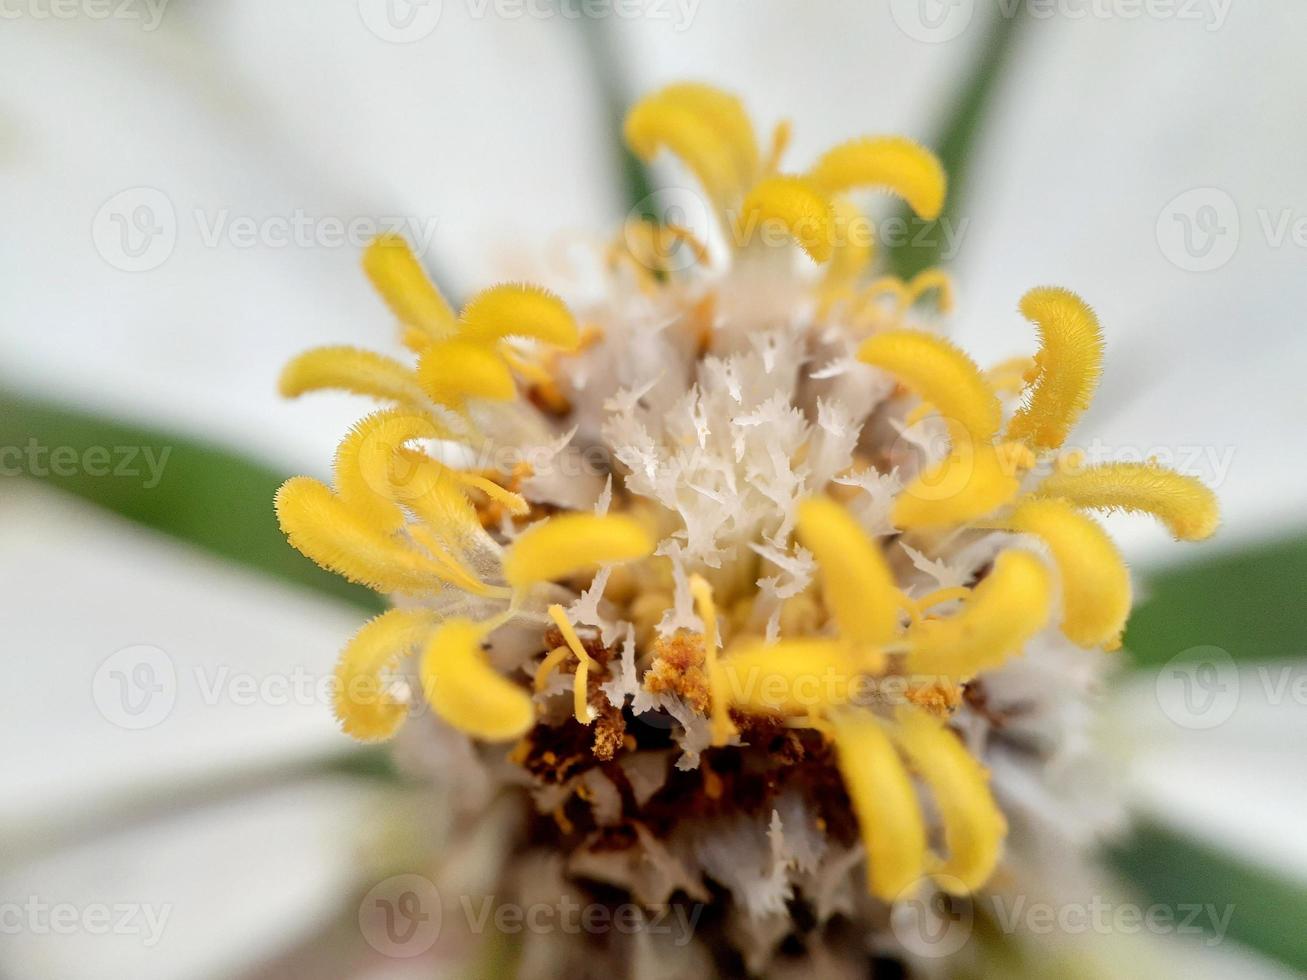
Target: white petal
1103,124
205,892
138,668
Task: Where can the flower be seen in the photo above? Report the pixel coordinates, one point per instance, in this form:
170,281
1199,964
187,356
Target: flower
751,566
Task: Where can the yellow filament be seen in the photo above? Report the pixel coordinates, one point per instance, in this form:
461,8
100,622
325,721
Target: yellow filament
1070,361
580,689
364,460
942,375
1187,507
321,527
573,543
780,142
514,503
1005,610
366,711
466,691
519,310
936,279
856,581
890,163
1095,582
451,371
974,826
361,372
885,802
707,608
552,661
798,207
1012,375
397,275
965,485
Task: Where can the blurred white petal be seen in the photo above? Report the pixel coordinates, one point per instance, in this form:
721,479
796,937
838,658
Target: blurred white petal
232,687
1103,122
203,892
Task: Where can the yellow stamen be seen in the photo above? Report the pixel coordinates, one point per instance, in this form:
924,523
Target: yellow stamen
366,711
580,683
321,527
573,543
856,581
1011,376
890,163
974,826
452,371
397,275
519,310
885,802
966,485
466,691
942,375
801,676
936,279
364,463
1095,582
780,142
1187,507
725,113
1070,362
361,372
798,207
854,246
1005,610
656,123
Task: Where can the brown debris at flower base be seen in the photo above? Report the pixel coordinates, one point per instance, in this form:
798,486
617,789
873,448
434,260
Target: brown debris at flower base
678,668
609,729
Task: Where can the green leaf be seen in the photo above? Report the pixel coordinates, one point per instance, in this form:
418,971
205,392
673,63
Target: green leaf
205,495
1247,602
1266,912
963,123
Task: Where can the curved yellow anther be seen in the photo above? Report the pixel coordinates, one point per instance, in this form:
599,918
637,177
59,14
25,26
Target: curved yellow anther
854,244
701,591
397,275
573,543
1095,581
726,114
794,204
1007,608
885,802
1070,361
451,371
856,581
366,710
967,484
891,163
974,827
656,123
941,374
320,526
1012,375
584,662
361,372
519,310
1187,507
794,677
466,691
365,458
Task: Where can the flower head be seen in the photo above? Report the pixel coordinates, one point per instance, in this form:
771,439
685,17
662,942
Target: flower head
742,557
